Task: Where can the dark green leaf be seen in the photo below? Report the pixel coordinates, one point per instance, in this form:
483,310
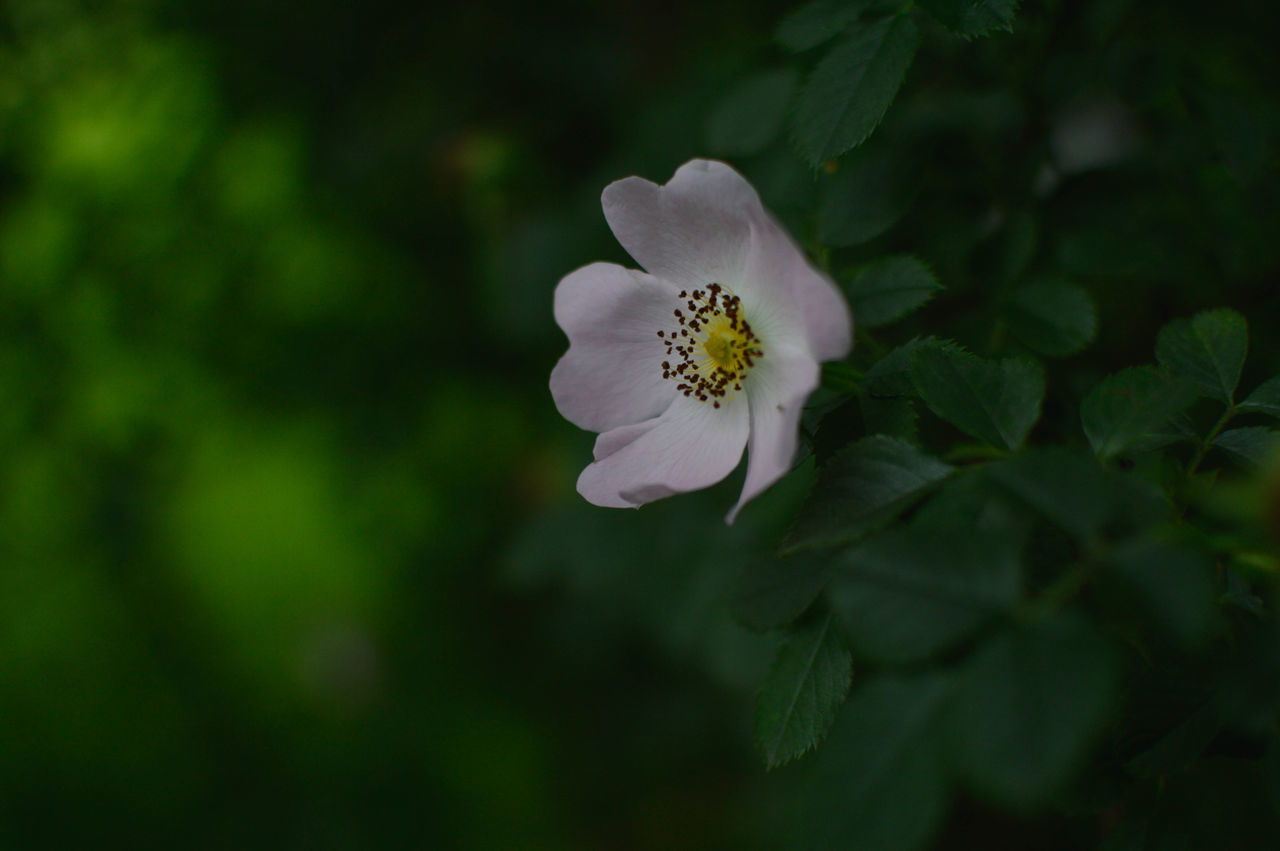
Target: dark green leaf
1183,745
802,693
890,377
748,119
1030,704
861,489
850,89
1251,445
870,192
1208,350
970,18
1069,488
889,416
1052,317
878,782
912,592
994,401
772,592
1265,399
816,22
1175,584
888,289
1128,409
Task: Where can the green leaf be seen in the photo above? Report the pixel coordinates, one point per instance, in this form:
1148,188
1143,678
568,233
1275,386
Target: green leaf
1252,445
817,22
1064,485
994,401
772,592
1052,318
1265,399
852,87
1131,408
889,289
861,489
878,782
1029,706
970,18
870,192
912,592
1174,584
1208,350
802,692
750,116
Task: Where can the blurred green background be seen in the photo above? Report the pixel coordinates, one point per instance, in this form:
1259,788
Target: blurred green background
290,555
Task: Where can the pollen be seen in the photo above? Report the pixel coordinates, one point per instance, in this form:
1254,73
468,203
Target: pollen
712,347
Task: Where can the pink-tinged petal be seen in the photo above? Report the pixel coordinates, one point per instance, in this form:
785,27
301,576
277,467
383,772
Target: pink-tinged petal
612,373
812,300
693,231
777,389
691,446
707,225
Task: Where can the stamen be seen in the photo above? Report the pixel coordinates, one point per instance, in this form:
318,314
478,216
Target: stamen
714,359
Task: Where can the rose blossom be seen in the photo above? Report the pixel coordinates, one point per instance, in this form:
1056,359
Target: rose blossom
714,348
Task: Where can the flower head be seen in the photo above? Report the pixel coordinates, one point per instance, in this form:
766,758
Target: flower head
713,348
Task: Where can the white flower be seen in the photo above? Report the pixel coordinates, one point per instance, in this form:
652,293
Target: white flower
715,348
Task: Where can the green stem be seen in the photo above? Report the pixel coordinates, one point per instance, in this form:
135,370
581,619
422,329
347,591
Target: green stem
1209,438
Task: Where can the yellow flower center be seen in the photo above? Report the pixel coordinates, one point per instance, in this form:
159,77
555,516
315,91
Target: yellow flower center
713,345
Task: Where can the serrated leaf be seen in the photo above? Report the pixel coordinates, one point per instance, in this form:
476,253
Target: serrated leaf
889,289
971,18
852,87
866,197
862,488
1029,705
912,592
1208,350
750,116
1174,584
1252,445
994,401
817,22
802,693
1265,399
772,592
1053,318
878,782
1128,409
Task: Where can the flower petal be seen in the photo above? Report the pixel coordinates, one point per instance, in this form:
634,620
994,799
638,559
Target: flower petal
707,224
777,389
692,445
612,373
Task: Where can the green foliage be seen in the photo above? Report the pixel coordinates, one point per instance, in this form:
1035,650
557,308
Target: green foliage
861,489
817,22
851,88
888,289
1053,318
994,401
1174,583
1252,445
772,591
970,18
879,782
871,191
1131,410
750,116
1265,399
914,591
1027,707
802,692
1208,350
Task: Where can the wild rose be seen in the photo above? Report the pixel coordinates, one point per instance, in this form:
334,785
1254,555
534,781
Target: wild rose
715,347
